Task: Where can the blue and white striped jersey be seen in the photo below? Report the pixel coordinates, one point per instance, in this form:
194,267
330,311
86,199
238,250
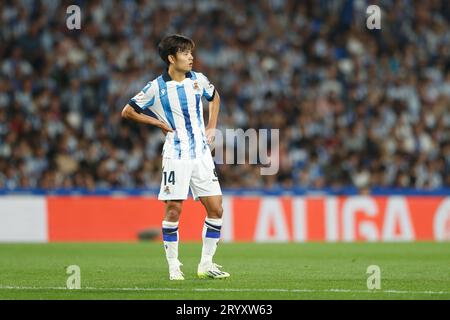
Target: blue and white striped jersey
179,105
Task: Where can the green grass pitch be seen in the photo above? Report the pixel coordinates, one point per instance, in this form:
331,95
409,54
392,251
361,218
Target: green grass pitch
258,271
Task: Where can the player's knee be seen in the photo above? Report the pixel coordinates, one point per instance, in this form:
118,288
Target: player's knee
173,211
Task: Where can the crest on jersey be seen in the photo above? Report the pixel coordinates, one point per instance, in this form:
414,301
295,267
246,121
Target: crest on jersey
196,87
167,190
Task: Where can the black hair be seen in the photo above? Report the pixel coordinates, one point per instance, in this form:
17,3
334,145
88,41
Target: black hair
170,45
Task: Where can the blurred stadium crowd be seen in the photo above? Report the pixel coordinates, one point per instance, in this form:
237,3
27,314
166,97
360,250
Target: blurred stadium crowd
355,107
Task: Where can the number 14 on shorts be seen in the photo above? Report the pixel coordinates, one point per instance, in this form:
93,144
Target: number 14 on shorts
170,178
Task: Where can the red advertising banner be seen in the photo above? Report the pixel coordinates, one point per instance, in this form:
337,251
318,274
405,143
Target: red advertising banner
259,219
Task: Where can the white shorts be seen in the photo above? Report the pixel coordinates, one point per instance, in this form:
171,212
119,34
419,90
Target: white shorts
199,174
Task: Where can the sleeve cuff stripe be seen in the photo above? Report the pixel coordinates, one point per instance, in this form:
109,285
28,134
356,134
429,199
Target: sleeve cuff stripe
212,96
135,106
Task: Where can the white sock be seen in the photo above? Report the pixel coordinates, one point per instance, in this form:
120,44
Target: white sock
170,238
211,236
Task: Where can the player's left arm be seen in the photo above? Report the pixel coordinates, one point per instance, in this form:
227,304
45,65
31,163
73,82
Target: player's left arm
210,93
214,105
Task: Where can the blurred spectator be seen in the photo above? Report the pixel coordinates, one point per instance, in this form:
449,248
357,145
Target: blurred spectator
355,107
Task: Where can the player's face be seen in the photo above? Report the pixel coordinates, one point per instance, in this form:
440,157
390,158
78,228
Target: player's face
184,60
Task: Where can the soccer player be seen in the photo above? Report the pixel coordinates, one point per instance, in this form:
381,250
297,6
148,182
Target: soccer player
175,98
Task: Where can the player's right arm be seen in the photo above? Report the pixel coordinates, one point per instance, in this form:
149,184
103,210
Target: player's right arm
129,112
143,100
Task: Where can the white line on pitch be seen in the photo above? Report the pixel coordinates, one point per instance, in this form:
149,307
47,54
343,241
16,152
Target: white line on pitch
228,290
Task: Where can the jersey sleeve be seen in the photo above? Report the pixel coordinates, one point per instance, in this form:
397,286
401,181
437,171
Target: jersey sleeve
144,99
208,88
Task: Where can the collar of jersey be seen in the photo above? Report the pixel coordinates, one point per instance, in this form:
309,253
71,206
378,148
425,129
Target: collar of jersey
166,76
